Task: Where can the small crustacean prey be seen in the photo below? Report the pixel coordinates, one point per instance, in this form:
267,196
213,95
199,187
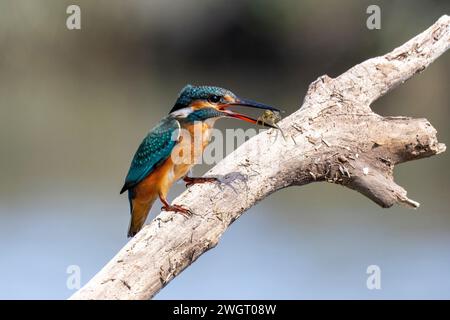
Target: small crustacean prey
271,117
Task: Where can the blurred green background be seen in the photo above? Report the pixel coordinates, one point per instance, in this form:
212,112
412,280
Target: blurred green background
74,106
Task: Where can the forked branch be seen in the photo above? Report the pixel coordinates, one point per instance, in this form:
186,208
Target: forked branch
334,137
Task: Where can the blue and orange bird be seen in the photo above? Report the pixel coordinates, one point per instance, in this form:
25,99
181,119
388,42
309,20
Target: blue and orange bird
154,169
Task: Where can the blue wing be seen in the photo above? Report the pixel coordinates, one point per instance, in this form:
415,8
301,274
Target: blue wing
154,149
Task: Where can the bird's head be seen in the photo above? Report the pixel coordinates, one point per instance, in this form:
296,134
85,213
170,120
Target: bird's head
199,103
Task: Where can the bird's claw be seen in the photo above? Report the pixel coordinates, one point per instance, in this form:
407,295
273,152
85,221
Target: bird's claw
179,209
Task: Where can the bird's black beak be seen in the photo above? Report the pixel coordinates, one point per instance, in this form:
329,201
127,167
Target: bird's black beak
247,103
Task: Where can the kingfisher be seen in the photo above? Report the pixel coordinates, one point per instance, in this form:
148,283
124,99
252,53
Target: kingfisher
166,155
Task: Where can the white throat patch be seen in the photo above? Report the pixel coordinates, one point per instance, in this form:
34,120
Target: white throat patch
182,113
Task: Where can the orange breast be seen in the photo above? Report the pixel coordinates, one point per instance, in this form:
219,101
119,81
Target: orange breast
188,152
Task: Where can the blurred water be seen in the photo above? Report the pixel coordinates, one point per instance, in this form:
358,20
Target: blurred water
304,250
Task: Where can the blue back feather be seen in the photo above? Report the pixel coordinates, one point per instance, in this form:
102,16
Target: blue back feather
154,149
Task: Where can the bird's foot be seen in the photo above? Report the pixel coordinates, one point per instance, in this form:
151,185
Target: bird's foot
191,181
179,209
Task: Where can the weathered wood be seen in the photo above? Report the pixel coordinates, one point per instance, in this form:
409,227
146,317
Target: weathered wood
338,139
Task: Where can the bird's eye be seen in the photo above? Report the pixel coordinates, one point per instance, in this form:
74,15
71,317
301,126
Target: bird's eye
214,99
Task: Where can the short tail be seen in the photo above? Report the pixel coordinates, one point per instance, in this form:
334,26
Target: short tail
139,213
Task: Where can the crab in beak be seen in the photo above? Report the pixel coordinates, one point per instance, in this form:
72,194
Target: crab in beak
224,107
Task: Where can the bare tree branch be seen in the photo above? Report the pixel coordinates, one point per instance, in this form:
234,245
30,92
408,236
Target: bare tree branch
334,137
